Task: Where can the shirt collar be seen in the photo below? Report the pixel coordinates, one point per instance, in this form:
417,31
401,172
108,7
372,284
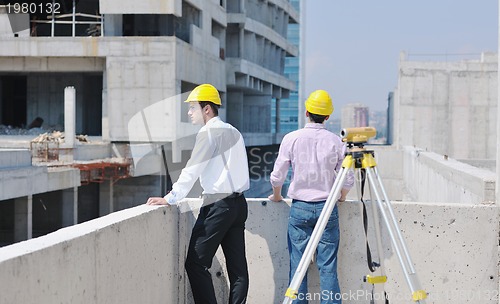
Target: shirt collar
212,120
313,125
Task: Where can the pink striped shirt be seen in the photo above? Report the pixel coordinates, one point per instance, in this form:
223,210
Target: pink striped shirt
316,156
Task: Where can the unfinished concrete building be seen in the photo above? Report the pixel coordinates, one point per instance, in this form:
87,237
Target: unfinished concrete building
129,62
449,107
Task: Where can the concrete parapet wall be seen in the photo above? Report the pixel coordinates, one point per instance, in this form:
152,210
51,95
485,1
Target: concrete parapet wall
92,151
15,158
489,164
454,249
113,259
32,180
430,177
137,256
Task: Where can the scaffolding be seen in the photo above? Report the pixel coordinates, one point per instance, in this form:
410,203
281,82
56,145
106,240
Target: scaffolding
46,149
98,172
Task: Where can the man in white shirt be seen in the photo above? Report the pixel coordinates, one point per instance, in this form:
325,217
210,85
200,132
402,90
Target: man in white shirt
219,159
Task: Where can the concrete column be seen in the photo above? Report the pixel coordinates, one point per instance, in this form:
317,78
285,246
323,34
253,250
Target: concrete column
105,117
73,19
23,218
241,49
69,116
106,202
70,207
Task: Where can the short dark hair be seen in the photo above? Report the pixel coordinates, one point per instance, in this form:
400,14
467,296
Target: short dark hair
215,108
317,118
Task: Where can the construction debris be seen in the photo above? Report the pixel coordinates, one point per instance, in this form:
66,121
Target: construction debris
46,147
57,136
51,134
83,138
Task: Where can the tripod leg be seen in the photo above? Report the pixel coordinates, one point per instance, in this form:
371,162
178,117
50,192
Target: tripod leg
396,237
393,218
377,281
292,290
378,235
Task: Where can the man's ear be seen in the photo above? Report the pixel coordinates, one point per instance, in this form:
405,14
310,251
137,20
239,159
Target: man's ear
206,109
326,118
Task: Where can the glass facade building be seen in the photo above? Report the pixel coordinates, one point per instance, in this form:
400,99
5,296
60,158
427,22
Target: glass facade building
289,107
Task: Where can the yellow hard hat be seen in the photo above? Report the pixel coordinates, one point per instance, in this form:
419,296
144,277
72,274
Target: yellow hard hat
204,92
319,103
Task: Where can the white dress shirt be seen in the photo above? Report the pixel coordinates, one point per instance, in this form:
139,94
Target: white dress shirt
219,159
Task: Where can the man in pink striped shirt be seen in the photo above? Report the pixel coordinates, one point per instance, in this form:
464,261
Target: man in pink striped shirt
316,156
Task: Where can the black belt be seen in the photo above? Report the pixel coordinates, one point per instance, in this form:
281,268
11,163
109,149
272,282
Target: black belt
235,195
211,198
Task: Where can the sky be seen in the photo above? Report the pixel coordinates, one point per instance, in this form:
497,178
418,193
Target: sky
352,47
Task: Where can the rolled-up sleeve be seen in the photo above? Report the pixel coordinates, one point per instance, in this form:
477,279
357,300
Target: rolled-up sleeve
282,164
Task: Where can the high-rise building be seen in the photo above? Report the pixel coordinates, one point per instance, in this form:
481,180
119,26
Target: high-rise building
288,108
354,115
390,118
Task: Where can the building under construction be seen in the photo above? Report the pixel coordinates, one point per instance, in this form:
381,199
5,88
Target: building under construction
114,72
120,81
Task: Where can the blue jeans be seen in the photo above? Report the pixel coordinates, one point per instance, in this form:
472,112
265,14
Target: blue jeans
303,218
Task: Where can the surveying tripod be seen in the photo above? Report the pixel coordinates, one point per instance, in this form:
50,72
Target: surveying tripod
358,158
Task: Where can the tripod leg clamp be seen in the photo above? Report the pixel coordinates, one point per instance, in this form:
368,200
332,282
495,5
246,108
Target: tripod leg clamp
375,279
348,162
368,161
419,295
292,294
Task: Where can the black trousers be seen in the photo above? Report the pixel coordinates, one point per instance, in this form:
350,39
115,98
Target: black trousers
221,223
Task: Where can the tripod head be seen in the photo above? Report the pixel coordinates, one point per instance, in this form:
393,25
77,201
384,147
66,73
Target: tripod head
357,137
